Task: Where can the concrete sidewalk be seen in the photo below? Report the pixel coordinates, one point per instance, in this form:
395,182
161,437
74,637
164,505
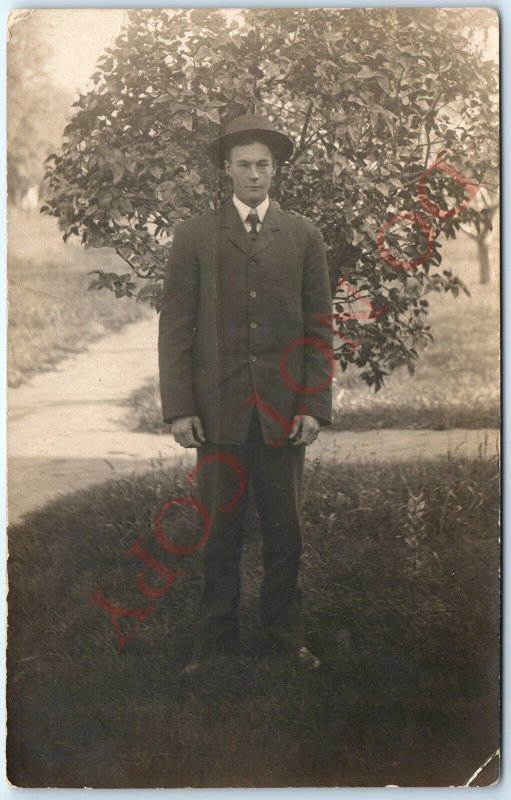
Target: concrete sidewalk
67,427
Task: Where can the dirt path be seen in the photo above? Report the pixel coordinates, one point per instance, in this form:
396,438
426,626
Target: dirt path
67,430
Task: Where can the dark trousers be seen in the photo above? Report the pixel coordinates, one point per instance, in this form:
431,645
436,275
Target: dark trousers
276,476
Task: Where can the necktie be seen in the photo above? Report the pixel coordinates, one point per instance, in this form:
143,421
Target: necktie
253,219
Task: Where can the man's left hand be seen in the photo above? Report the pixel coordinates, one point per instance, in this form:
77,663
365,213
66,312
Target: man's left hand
305,430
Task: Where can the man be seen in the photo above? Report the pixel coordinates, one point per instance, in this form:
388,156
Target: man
245,355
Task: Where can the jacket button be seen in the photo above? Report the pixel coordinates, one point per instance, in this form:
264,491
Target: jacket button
253,325
252,262
253,294
253,359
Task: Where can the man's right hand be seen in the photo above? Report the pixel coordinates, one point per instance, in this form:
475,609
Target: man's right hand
187,431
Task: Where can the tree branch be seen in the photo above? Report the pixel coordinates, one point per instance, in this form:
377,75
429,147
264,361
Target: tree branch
306,123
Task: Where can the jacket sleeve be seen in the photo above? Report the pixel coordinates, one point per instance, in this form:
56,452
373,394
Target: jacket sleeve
176,328
318,345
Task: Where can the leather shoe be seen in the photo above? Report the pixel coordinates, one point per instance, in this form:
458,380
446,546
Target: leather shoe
306,660
191,668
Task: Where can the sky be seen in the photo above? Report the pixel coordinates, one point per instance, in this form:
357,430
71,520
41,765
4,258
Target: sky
78,37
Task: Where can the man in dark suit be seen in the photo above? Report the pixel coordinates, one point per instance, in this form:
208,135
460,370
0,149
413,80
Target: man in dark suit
245,350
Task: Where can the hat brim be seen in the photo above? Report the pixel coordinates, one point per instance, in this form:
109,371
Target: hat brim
281,145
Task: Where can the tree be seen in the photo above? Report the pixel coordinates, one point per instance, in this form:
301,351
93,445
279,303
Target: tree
394,116
481,232
35,106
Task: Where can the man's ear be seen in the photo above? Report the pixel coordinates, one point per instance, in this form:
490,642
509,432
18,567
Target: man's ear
227,167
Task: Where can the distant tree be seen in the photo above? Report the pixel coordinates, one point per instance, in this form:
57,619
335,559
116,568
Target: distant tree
36,108
481,231
394,113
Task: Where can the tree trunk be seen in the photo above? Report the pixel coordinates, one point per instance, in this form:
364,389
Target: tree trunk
484,259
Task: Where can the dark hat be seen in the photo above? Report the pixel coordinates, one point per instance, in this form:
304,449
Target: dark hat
280,144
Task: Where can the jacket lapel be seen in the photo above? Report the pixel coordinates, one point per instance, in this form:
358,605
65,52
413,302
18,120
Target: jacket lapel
235,231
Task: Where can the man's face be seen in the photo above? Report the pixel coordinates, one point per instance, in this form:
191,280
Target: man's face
250,169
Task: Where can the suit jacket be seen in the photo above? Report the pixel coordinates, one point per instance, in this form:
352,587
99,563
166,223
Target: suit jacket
246,323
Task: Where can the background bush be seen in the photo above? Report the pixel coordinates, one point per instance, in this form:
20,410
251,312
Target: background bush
372,97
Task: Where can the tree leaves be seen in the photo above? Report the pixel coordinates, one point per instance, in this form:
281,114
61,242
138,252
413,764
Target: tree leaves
214,116
368,95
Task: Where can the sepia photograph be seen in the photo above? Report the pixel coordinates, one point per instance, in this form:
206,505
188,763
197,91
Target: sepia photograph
253,397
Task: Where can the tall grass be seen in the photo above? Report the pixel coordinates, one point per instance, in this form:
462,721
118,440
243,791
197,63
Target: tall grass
51,313
401,598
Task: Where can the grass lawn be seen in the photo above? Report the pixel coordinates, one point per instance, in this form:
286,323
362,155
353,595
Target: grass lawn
51,313
456,382
401,596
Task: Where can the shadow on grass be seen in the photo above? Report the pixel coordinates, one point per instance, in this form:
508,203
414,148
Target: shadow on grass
401,596
359,409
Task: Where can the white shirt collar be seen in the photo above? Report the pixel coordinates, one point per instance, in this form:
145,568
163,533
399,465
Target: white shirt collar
245,210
